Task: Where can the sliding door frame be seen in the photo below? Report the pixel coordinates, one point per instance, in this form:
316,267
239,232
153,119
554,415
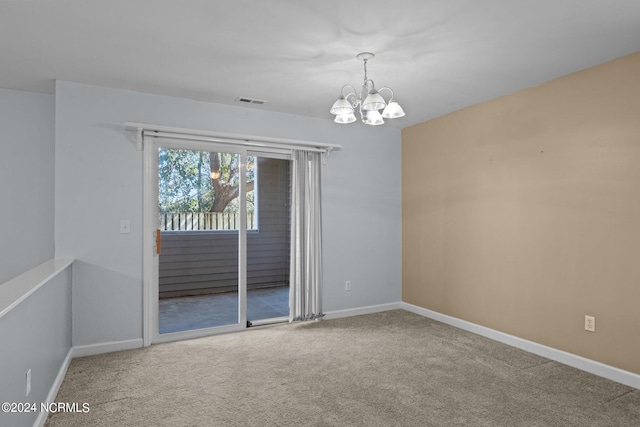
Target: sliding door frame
151,334
146,137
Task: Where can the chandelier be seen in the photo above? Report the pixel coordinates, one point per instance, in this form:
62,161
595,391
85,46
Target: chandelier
369,102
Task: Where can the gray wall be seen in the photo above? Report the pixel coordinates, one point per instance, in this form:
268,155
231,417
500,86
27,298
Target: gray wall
98,182
26,181
201,262
36,335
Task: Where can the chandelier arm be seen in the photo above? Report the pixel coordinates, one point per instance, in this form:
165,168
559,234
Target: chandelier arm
387,88
353,99
353,90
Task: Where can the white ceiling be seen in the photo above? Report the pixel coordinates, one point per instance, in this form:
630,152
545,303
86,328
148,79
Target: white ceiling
437,55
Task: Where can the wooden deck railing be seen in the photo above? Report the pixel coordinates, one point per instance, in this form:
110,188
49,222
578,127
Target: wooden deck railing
181,221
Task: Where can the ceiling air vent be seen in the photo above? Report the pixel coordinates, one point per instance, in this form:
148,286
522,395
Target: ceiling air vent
250,100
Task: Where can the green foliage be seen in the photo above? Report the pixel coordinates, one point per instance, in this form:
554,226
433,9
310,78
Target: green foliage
185,181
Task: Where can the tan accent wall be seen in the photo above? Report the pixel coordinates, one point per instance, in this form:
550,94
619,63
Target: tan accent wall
522,214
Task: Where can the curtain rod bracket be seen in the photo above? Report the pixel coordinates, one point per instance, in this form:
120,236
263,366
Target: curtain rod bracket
139,139
326,155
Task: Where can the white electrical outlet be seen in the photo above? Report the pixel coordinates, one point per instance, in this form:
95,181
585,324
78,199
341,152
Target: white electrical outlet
27,383
347,285
590,323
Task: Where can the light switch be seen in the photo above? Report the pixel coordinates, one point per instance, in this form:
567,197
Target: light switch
125,226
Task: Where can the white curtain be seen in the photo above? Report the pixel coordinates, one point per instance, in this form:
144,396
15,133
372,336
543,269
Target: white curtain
305,284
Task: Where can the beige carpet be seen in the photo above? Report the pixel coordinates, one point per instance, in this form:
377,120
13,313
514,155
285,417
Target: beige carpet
386,369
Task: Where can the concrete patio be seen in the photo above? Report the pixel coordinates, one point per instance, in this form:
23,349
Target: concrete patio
205,311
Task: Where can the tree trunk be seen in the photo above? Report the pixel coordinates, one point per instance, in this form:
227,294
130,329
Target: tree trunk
223,192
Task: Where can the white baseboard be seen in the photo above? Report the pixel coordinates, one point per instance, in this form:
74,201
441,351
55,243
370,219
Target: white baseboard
107,347
624,377
53,392
336,314
80,351
615,374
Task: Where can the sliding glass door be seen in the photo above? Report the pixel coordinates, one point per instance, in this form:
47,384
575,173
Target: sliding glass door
200,263
222,238
199,222
269,240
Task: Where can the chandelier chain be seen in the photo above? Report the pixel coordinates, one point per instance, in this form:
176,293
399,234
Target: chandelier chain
365,69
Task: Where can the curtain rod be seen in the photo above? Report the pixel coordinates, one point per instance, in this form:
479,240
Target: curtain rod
248,140
245,143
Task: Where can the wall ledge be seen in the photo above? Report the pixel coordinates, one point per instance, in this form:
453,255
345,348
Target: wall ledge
19,288
606,371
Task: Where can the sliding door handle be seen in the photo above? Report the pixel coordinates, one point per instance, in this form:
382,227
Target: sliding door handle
158,241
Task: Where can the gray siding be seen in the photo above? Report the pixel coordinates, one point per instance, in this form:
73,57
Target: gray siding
200,262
